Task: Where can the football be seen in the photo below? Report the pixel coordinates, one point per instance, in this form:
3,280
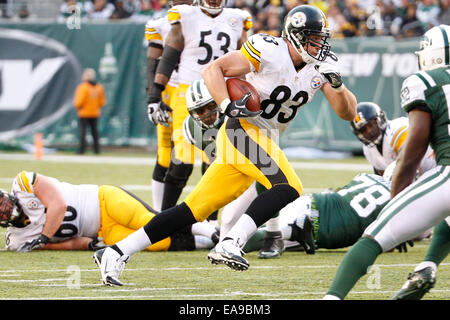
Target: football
237,88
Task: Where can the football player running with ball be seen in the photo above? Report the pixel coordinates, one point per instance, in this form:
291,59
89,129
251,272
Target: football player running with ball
287,72
415,206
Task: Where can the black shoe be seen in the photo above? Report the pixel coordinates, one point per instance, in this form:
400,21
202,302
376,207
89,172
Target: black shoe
273,246
417,285
304,235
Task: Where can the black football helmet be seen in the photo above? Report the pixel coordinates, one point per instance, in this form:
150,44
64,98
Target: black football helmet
11,213
369,124
306,26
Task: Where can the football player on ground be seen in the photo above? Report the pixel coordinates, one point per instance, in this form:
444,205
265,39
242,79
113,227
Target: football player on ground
415,206
156,32
330,219
287,72
383,139
199,34
43,212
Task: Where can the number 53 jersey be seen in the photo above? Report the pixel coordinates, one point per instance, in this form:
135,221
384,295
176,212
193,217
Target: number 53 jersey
283,89
82,217
206,38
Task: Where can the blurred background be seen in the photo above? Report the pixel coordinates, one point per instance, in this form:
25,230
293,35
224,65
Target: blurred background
46,44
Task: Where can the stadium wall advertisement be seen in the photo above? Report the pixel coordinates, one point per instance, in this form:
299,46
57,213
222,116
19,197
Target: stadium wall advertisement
41,65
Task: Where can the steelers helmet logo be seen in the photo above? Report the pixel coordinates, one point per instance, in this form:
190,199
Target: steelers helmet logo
298,19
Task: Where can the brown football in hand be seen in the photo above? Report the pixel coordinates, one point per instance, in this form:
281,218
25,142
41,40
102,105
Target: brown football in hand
237,88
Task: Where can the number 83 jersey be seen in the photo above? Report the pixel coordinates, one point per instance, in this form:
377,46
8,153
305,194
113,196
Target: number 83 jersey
283,89
82,217
206,38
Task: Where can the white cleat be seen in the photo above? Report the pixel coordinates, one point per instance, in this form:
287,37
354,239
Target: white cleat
111,264
228,252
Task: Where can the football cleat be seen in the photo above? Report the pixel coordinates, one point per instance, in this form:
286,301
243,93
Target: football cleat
303,232
273,246
228,252
111,264
417,285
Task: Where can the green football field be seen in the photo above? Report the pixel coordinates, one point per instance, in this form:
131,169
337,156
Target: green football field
73,275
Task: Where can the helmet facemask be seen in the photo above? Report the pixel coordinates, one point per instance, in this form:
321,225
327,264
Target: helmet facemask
208,115
11,212
369,124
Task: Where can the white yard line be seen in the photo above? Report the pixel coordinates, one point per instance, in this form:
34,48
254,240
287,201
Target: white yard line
3,273
150,161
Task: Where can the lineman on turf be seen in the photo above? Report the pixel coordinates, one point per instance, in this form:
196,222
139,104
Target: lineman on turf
383,139
43,212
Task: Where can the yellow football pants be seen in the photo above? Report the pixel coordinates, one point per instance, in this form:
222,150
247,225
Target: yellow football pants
121,214
164,134
245,153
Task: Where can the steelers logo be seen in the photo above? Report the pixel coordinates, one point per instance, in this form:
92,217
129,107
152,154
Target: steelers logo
316,83
298,19
32,204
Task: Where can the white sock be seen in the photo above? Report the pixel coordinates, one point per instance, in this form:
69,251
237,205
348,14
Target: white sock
286,232
202,242
203,228
426,264
157,194
234,210
244,228
273,225
135,242
330,297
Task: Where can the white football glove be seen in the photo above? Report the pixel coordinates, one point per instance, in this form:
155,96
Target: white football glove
158,113
332,74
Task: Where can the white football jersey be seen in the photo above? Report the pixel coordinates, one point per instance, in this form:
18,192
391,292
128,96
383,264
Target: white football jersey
156,31
283,90
393,140
82,218
206,38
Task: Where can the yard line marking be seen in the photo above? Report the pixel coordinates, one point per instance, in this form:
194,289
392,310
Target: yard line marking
210,268
150,161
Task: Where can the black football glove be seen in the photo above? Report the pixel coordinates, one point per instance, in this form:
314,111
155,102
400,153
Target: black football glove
37,243
237,109
158,111
96,244
331,73
402,247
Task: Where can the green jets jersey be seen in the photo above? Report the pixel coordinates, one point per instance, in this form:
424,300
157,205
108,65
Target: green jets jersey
430,91
345,213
